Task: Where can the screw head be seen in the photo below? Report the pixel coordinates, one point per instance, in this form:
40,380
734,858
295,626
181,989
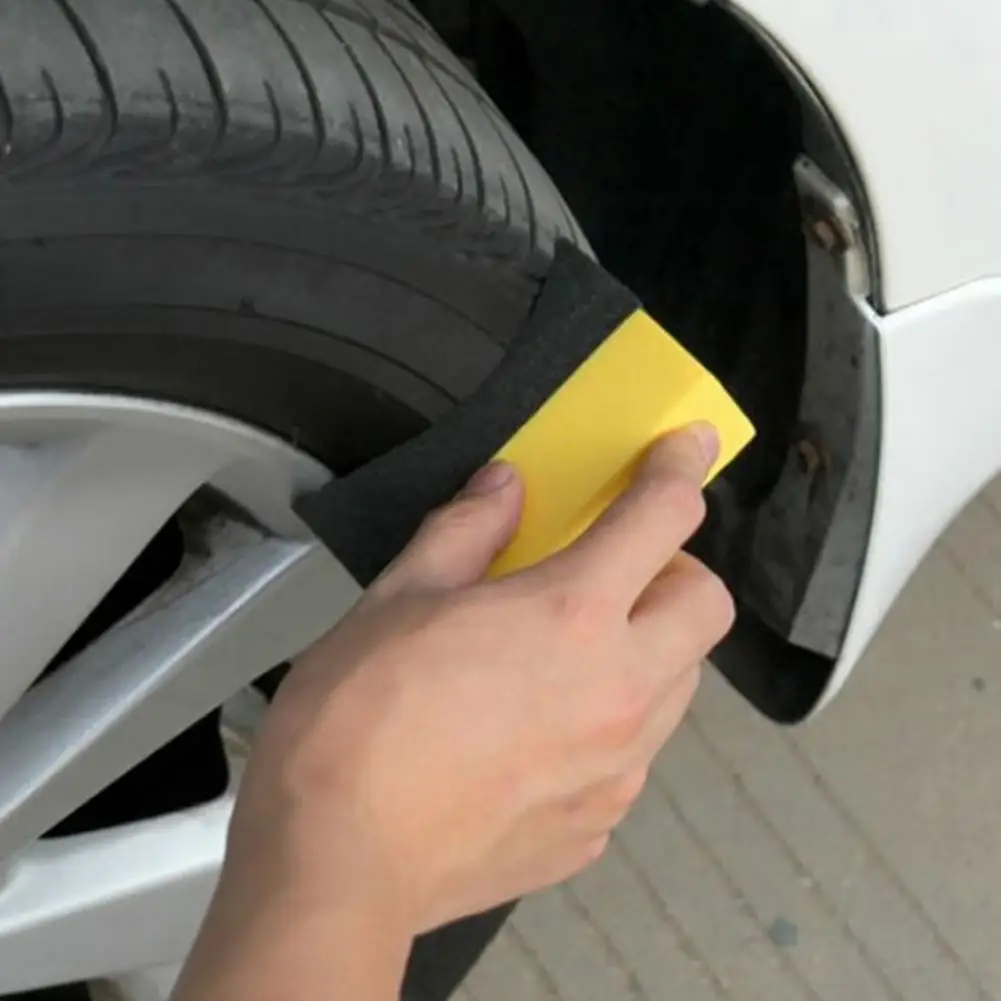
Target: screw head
824,234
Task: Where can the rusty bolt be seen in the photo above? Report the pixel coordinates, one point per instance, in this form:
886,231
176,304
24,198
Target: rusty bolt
825,234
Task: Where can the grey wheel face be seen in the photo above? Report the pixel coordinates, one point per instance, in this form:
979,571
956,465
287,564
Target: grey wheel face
86,482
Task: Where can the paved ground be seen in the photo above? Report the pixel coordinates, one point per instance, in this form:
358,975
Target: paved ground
855,859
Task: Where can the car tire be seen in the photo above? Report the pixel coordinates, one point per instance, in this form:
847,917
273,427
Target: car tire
303,215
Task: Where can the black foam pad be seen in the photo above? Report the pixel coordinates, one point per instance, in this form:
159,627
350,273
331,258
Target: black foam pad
367,518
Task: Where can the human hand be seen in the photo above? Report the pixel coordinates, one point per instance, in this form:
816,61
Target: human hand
456,743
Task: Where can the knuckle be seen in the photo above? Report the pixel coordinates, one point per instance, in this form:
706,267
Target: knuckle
580,613
583,854
619,728
634,784
715,601
458,516
595,850
684,690
680,452
692,681
679,498
625,712
627,790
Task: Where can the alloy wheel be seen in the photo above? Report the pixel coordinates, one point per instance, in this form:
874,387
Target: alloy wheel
86,482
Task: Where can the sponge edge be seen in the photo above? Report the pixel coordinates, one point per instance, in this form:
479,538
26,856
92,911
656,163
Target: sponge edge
581,449
585,387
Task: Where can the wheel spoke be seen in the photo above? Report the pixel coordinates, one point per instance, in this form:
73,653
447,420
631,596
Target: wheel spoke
86,482
101,904
249,604
74,514
156,984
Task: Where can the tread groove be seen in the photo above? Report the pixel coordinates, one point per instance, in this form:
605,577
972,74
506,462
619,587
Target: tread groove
359,140
506,193
211,72
370,89
174,111
332,8
408,12
157,150
315,105
332,181
58,123
533,220
461,185
278,123
477,163
408,134
103,77
429,131
49,155
6,123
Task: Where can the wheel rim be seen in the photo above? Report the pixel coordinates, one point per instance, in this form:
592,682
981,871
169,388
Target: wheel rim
86,481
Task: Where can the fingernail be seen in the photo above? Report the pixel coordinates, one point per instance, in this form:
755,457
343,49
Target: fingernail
490,479
708,439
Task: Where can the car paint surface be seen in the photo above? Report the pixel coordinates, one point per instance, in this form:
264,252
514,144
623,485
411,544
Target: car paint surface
914,89
940,441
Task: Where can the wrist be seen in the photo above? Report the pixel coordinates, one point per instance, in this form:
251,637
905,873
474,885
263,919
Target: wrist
258,947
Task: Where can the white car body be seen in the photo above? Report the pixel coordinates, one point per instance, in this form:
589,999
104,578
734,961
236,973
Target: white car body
912,89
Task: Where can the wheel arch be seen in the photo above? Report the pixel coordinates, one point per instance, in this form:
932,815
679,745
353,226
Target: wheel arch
704,166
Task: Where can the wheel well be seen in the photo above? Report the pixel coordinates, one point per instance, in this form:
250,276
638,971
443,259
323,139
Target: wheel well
672,129
672,133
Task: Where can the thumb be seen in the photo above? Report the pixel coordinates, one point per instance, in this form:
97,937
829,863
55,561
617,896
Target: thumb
457,543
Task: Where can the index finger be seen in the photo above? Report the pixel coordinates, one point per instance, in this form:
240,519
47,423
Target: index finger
647,525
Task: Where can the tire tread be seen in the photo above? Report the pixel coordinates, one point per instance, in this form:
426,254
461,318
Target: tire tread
378,107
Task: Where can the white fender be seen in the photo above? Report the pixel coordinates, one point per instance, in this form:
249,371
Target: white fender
913,85
940,441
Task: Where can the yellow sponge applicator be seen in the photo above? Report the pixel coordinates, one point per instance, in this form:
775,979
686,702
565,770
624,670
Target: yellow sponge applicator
579,451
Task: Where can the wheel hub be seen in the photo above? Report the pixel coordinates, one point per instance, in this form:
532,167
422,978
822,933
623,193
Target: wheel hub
87,485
